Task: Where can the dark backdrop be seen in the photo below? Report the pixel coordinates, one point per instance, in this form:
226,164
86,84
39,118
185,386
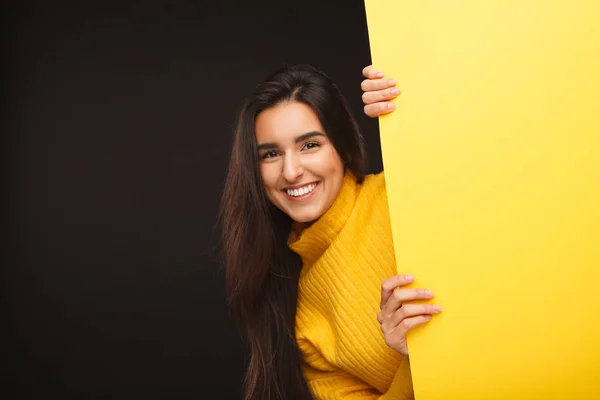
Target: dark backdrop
116,134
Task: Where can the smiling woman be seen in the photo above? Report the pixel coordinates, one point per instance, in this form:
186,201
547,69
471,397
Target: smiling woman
300,168
308,250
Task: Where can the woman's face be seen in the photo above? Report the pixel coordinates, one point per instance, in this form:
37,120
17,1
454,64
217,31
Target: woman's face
301,170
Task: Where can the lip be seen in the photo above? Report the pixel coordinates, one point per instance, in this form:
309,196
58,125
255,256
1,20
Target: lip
303,197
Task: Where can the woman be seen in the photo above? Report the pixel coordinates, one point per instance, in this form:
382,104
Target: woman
308,250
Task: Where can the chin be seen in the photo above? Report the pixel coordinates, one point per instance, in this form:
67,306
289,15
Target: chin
305,217
302,220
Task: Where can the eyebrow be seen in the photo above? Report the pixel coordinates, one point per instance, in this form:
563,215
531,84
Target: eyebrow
301,138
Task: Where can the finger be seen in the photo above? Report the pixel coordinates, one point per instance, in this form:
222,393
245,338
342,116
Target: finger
371,73
369,85
388,286
380,95
379,109
409,311
401,296
410,323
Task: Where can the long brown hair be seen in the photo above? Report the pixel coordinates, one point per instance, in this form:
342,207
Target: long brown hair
261,271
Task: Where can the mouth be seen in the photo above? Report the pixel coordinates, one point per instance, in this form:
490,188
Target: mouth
302,192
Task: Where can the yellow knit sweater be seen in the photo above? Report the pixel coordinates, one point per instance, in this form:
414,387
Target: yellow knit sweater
346,256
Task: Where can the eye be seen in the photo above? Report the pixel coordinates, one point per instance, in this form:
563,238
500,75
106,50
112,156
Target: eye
310,145
269,154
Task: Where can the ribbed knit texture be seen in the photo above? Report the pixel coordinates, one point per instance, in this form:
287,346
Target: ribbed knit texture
346,256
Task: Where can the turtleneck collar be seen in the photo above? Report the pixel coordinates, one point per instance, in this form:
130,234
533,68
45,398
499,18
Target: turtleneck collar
312,242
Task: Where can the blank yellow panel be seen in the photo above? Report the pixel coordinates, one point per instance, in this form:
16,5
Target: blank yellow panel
492,161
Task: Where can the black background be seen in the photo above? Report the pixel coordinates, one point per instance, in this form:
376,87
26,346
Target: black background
116,134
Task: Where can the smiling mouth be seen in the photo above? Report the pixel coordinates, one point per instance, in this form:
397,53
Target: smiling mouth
301,192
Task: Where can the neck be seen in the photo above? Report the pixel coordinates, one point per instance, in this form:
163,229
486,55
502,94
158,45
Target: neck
310,240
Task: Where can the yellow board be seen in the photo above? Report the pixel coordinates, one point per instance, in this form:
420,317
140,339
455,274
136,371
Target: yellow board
492,161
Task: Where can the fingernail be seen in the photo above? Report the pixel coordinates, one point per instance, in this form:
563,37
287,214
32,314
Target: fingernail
391,82
409,277
437,309
429,293
380,74
394,91
391,106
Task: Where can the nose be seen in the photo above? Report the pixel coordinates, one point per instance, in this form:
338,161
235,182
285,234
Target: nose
292,168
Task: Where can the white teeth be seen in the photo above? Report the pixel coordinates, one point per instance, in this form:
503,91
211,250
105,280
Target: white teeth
302,191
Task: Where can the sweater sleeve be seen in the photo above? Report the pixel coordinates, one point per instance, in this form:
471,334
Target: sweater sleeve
401,387
338,384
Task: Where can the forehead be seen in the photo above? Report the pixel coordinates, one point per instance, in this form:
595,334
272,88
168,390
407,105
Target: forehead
286,121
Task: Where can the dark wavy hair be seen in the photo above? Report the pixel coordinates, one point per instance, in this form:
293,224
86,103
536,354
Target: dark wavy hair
261,271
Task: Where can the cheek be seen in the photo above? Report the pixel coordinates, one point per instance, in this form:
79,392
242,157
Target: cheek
334,162
268,173
325,162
